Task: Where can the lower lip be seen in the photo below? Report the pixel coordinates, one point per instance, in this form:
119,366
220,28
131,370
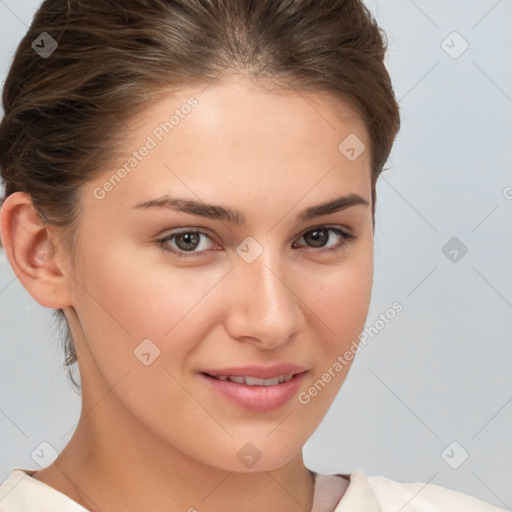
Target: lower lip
257,398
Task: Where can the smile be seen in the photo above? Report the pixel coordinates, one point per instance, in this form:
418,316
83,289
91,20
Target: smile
254,381
253,393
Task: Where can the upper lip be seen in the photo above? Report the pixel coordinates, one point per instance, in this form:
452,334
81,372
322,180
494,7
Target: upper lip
260,372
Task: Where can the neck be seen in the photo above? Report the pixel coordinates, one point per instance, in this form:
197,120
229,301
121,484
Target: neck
113,462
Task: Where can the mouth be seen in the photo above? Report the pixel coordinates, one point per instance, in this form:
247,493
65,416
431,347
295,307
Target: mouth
249,380
252,393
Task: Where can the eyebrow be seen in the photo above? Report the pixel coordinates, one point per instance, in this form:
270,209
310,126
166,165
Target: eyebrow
237,218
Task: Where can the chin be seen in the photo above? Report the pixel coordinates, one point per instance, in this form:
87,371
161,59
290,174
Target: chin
257,456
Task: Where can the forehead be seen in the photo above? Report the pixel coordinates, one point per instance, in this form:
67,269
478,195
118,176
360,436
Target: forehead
238,108
209,139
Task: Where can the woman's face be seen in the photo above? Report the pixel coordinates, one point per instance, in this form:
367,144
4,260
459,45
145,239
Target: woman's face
155,316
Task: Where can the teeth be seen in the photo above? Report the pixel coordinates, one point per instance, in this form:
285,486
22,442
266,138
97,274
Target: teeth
239,380
253,381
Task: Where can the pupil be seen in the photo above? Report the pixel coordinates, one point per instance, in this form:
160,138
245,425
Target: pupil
318,235
190,238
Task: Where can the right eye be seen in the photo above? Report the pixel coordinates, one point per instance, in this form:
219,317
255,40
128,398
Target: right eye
186,240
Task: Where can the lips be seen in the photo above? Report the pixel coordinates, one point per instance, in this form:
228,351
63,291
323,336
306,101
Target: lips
255,398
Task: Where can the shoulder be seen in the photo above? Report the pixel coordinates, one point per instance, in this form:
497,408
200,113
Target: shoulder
19,492
392,495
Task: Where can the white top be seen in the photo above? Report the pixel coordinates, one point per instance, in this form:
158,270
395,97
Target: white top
22,493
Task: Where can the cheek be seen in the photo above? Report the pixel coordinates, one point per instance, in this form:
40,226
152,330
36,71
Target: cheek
125,286
132,307
132,295
341,299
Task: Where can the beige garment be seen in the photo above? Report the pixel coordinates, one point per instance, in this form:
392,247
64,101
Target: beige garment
380,494
21,493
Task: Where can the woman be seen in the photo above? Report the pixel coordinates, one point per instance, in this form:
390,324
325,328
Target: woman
191,186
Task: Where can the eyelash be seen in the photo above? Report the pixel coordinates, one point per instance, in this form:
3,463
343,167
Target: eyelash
346,239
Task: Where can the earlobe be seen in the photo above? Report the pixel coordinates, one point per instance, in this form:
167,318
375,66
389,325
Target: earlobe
32,253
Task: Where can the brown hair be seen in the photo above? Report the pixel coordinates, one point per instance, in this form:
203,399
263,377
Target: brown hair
65,115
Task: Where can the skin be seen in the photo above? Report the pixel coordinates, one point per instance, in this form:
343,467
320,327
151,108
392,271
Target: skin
270,155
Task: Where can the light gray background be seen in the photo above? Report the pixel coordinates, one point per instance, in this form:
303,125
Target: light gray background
440,371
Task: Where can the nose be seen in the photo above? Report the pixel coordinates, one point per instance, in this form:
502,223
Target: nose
264,308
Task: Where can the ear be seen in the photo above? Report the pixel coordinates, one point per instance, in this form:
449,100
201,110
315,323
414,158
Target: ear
32,253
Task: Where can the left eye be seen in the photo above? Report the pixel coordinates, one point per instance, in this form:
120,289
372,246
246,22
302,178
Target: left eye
187,240
321,234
